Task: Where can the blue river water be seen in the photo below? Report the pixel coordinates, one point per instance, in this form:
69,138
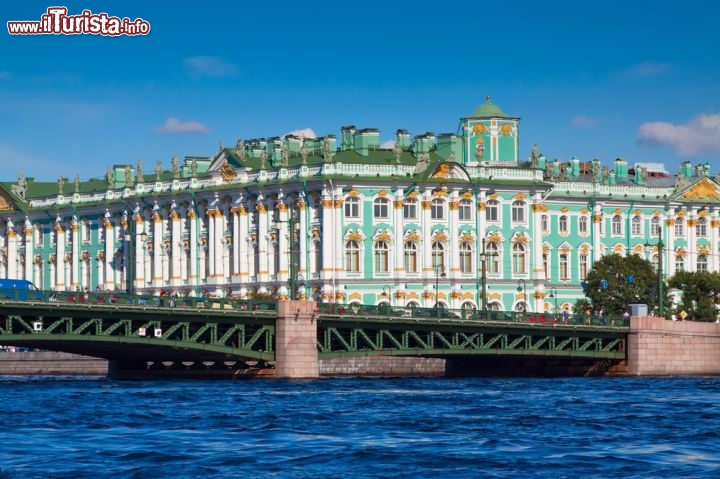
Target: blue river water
337,428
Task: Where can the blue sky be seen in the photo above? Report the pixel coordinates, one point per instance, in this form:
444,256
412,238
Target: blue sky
632,79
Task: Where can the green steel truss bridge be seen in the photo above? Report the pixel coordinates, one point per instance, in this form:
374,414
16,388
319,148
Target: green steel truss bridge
133,331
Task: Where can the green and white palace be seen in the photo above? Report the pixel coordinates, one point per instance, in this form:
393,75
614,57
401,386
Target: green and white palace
455,218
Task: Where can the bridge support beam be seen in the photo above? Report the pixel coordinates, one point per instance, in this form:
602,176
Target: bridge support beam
296,351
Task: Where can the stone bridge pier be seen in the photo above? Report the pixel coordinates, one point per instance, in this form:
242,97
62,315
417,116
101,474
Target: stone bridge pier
296,352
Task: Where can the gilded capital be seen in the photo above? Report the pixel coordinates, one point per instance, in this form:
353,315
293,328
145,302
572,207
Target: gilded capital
397,204
454,205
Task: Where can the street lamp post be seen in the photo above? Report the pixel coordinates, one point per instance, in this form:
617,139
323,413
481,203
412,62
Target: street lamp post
293,276
660,246
553,294
438,274
484,256
522,288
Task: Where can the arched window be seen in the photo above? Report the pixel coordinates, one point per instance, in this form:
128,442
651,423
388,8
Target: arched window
466,251
654,261
352,207
381,256
493,258
701,226
465,210
86,231
617,225
352,256
492,211
679,263
636,226
438,256
545,224
411,262
518,211
702,263
680,227
583,223
437,209
583,266
563,224
518,258
564,267
655,226
381,208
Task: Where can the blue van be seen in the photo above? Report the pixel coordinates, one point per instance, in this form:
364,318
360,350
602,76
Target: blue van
20,289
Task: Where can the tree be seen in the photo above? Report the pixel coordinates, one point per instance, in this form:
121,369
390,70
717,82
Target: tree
615,281
700,294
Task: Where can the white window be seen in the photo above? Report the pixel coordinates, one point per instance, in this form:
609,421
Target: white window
381,208
545,224
438,256
411,253
492,211
701,226
382,253
617,225
679,263
563,224
352,256
655,223
493,258
636,226
465,210
352,207
680,227
518,212
583,266
564,267
437,209
702,263
410,210
518,258
583,223
466,264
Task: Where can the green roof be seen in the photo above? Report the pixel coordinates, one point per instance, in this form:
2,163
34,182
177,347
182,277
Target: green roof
489,110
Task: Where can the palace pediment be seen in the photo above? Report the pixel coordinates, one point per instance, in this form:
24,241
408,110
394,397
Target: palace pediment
704,189
449,169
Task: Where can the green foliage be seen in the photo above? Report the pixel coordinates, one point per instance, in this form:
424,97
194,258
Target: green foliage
630,280
700,294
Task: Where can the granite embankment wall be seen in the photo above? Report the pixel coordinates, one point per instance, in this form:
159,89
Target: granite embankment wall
659,347
51,364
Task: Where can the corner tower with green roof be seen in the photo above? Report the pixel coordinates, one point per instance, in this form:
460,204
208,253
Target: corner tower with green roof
491,135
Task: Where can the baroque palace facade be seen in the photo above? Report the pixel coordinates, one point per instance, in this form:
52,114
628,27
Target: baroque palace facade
455,218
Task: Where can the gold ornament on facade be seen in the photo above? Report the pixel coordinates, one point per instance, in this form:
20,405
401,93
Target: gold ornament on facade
692,222
384,236
540,208
539,295
495,238
412,236
355,296
442,171
703,213
704,189
301,205
156,218
441,237
397,204
353,192
479,129
681,213
338,203
440,192
399,295
520,197
584,211
564,250
382,193
191,214
564,209
467,237
546,250
340,295
413,194
639,249
597,219
75,227
68,257
426,204
454,205
618,211
355,236
670,222
703,250
618,248
282,207
228,172
521,238
493,196
428,295
456,295
175,216
467,195
326,204
681,253
637,213
261,208
481,206
714,223
656,213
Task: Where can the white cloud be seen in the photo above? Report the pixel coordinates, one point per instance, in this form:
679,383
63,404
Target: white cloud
646,69
389,144
175,126
302,133
584,121
208,66
700,135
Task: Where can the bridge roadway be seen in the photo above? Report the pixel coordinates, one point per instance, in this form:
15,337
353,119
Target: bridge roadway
223,333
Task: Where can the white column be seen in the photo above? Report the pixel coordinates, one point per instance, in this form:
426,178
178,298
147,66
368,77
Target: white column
454,250
157,271
328,241
283,244
220,245
338,240
597,219
139,241
426,239
670,247
12,253
211,243
59,257
75,280
194,245
303,240
176,250
262,241
242,240
714,265
236,243
29,253
398,243
691,241
538,209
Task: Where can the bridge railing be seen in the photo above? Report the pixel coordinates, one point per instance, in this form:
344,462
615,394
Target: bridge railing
127,299
355,311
